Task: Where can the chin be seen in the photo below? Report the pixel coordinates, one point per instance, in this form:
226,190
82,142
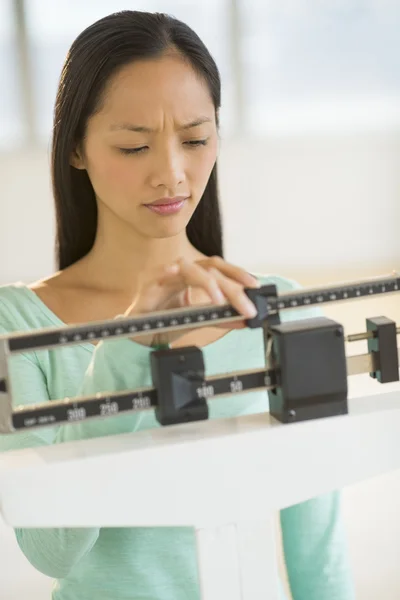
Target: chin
167,226
166,229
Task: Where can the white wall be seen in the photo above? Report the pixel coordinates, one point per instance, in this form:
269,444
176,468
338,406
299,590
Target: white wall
317,209
305,204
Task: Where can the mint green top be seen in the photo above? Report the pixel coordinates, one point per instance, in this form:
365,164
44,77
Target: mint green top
151,563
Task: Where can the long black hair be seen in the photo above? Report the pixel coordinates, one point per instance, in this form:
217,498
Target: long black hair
95,55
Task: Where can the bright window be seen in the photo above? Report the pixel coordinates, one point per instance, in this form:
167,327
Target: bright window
11,123
321,65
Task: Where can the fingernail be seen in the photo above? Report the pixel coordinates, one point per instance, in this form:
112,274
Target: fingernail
249,308
220,298
256,282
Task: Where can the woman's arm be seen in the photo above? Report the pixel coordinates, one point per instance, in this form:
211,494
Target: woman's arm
313,534
56,551
52,551
315,549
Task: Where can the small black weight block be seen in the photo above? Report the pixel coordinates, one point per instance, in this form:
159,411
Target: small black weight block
176,374
384,345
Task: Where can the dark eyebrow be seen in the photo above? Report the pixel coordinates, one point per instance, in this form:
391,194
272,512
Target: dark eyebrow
196,123
143,129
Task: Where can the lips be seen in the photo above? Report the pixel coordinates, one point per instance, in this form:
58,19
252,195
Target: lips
167,201
167,206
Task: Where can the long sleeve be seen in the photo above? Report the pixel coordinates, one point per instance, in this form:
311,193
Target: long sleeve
116,365
56,551
315,550
313,533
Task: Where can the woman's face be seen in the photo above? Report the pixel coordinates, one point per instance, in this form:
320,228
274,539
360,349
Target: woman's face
155,138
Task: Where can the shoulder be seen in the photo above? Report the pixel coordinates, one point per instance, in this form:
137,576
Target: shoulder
20,309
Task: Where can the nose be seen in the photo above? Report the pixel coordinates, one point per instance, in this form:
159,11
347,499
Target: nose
168,170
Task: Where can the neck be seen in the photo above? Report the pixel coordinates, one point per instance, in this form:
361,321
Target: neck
120,262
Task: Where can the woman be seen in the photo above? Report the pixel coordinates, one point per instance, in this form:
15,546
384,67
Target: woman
138,229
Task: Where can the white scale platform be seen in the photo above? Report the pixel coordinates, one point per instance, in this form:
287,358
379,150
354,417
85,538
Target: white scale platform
247,468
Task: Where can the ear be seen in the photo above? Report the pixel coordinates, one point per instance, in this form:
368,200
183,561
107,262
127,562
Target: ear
76,159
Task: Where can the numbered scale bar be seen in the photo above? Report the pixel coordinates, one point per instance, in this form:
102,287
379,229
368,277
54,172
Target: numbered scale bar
108,405
194,317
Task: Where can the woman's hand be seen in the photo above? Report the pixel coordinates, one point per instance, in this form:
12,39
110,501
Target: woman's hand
207,281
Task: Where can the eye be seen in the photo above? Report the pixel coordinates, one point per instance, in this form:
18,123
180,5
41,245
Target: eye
133,150
194,143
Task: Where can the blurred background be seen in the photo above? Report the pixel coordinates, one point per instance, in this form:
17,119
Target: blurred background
309,168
